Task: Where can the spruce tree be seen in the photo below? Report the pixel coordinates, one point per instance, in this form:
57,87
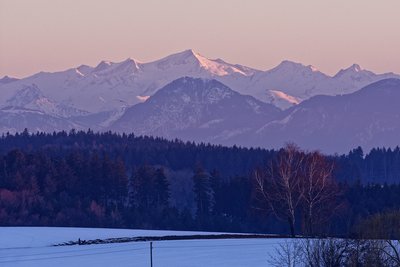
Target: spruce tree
202,191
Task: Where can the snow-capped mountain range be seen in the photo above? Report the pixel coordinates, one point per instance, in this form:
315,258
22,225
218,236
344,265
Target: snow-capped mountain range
221,102
110,86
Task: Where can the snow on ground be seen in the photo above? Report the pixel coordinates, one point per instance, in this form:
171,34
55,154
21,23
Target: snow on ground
22,237
31,246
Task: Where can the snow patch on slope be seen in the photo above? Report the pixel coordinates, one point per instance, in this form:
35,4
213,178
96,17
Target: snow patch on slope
282,99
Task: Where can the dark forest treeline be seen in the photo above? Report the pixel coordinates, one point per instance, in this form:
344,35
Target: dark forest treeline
139,150
380,165
109,180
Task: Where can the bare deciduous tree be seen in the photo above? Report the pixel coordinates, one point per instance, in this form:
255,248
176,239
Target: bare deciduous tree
294,181
327,252
319,191
280,184
288,253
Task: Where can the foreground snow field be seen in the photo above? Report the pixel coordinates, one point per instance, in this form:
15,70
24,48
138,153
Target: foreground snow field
32,246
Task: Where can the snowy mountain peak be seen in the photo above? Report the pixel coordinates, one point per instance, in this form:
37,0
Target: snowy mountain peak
32,98
196,89
202,66
355,67
83,70
7,79
126,67
129,65
103,65
181,57
130,62
185,59
190,52
291,66
312,68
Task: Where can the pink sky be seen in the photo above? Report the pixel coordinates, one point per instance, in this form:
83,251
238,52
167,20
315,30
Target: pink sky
54,35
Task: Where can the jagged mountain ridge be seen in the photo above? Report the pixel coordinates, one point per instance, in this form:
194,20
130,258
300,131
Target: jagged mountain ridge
31,97
291,83
7,79
113,86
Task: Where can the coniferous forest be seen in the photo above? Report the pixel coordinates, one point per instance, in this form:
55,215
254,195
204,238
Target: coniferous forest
110,180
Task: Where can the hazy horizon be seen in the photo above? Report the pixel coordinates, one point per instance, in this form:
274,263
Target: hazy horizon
46,35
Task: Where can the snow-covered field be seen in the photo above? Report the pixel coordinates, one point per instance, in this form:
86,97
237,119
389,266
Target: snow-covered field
32,246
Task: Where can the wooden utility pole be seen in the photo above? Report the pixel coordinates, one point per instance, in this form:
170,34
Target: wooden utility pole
151,254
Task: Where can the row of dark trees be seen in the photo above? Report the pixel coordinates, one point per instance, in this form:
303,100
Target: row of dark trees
378,166
109,180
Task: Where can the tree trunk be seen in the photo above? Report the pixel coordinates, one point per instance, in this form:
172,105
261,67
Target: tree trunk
291,224
310,222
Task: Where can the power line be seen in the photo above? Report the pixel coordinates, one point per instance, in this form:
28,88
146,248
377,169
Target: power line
124,250
72,256
65,251
10,248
